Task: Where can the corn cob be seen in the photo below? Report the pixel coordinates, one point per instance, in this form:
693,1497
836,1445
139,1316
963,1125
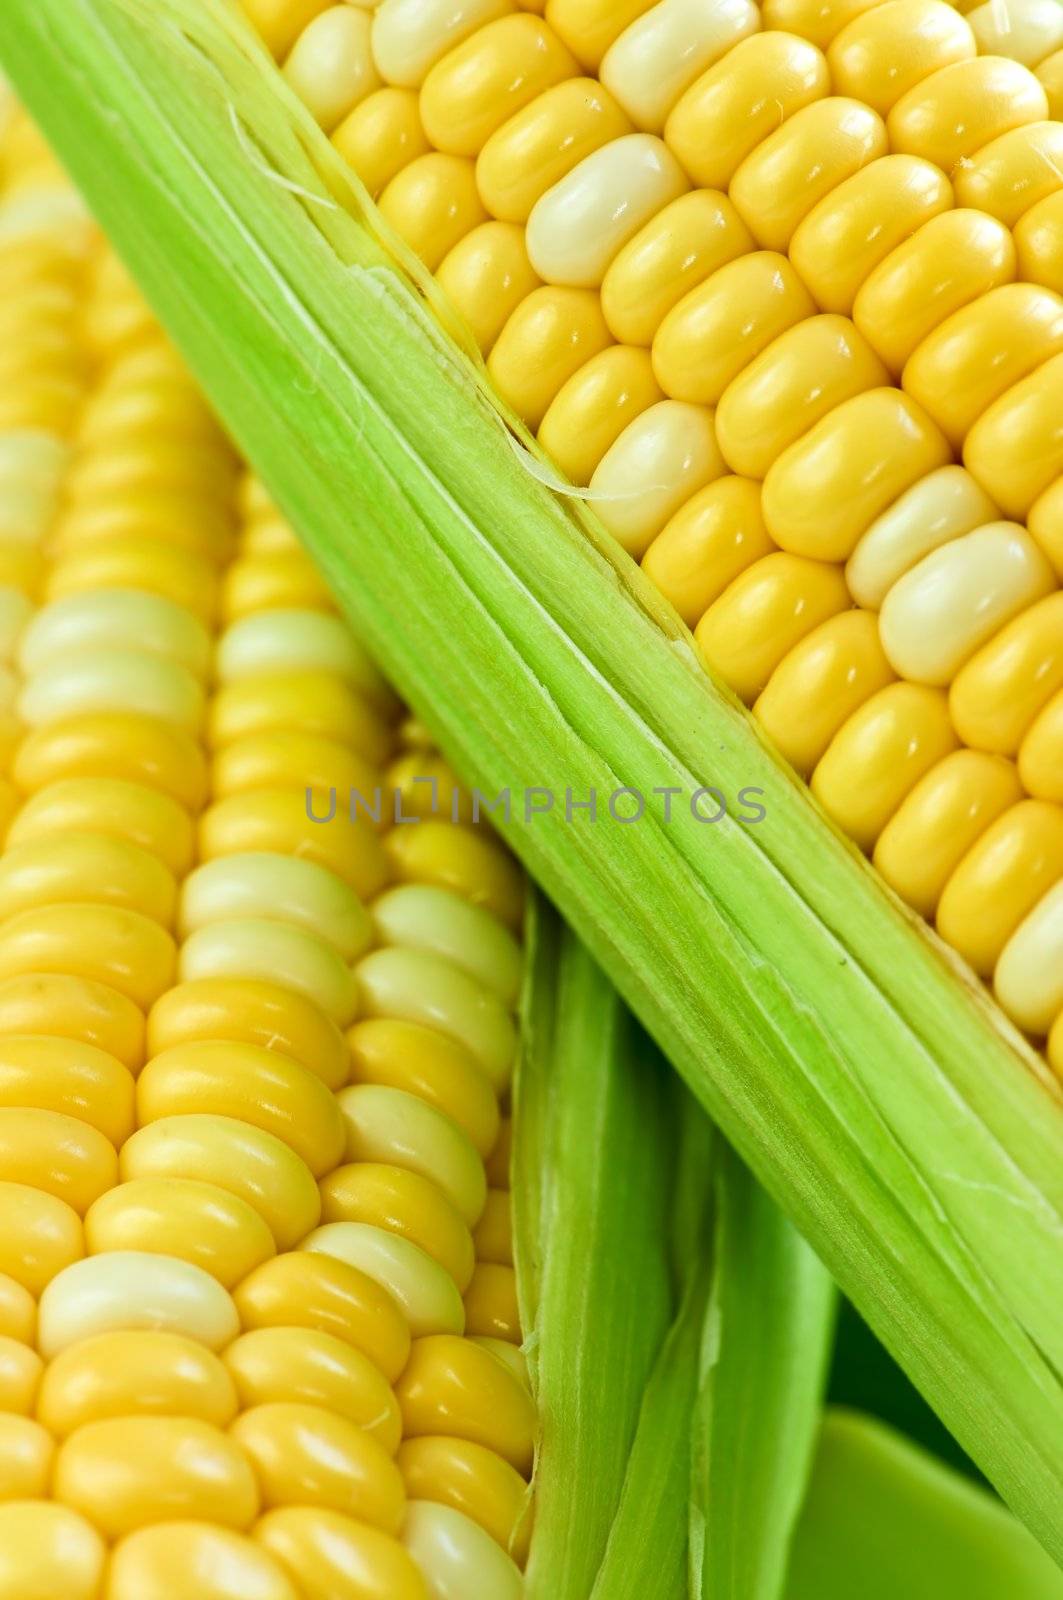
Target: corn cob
811,372
251,1066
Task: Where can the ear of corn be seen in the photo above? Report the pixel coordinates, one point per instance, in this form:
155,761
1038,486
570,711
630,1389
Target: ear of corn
831,1041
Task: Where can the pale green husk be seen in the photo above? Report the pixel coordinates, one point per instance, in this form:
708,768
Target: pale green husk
878,1098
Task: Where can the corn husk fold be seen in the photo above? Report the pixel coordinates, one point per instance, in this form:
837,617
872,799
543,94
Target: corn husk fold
877,1095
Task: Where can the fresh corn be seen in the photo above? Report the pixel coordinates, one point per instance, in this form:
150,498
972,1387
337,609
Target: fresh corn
783,287
260,1333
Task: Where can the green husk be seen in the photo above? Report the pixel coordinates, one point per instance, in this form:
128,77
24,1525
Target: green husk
883,1519
877,1096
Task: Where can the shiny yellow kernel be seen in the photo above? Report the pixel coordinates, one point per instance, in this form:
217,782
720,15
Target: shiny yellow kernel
114,745
892,48
274,579
180,1217
422,987
256,948
422,1289
251,1012
949,263
306,1455
316,702
406,1203
142,1372
382,135
660,460
1027,980
469,861
1002,689
40,1234
132,1290
27,1452
60,1154
790,386
817,20
942,818
1000,880
879,755
431,1065
331,1555
958,110
74,1008
190,1560
539,146
20,1375
291,759
550,335
492,75
491,1302
279,821
422,783
394,1128
330,66
48,1550
245,1161
280,22
766,611
307,1366
106,944
457,1388
474,1481
182,576
146,817
1009,176
1015,449
18,1311
86,866
432,203
940,507
595,406
713,538
589,27
820,683
1039,242
825,491
659,55
486,276
306,1290
1041,755
284,888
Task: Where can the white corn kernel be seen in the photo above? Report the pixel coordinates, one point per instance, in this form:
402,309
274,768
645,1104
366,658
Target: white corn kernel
662,458
1029,976
940,507
660,55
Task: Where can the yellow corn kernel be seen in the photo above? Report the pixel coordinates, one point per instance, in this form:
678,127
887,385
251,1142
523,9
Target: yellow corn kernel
825,491
410,36
589,27
114,745
1027,977
1001,690
474,1481
1000,881
18,1311
186,578
790,386
277,822
942,506
306,1290
250,1011
434,1067
424,1291
327,1554
21,567
312,1368
432,203
27,1452
942,818
577,228
41,1235
141,1372
879,755
20,1376
70,1077
766,611
245,1161
192,527
284,888
74,1008
86,867
107,944
819,684
330,66
953,114
736,104
422,916
1050,74
469,862
421,783
407,1204
126,1472
491,76
420,986
456,1388
256,948
818,20
300,641
133,1290
291,759
892,48
392,1128
550,335
146,817
193,1221
280,22
658,56
970,360
1041,755
317,702
486,277
1039,242
48,1550
1026,33
491,1303
713,538
306,1455
541,145
189,1560
713,334
662,458
461,1557
950,262
1010,175
1015,449
382,135
277,579
595,406
671,255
